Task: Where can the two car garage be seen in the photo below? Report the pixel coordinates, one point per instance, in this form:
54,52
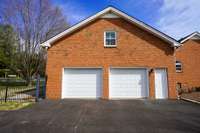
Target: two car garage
124,83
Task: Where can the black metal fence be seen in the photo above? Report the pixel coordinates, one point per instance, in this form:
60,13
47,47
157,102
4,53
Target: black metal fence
9,92
17,93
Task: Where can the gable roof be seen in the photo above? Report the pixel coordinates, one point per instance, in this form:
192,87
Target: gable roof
119,13
194,35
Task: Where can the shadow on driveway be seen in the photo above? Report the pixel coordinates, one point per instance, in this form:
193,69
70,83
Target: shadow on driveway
98,116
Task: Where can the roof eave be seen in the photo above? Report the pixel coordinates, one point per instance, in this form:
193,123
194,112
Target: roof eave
121,14
190,36
71,29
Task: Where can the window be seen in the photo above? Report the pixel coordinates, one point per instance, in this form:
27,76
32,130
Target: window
178,66
110,39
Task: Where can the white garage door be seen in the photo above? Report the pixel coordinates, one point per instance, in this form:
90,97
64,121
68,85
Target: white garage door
161,87
128,83
81,83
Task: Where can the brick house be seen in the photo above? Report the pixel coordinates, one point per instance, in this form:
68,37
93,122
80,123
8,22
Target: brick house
188,61
111,55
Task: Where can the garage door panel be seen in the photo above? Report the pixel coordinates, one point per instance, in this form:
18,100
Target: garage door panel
128,83
80,83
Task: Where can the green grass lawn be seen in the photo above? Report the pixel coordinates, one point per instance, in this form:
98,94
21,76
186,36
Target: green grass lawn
15,105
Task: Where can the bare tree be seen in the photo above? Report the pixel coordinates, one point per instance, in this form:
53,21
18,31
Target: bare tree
34,21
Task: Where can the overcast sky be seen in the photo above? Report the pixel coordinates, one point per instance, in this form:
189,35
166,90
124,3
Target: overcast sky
177,18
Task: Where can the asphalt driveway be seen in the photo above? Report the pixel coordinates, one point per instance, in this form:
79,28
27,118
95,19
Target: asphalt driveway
91,116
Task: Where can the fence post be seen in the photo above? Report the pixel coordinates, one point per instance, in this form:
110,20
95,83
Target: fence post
44,88
37,88
6,94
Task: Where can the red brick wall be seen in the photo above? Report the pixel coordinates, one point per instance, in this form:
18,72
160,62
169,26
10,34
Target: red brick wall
189,55
85,48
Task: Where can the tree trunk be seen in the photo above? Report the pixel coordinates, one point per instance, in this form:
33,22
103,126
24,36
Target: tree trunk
29,82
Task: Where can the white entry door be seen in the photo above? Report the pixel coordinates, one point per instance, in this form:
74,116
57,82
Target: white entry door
161,84
128,83
82,83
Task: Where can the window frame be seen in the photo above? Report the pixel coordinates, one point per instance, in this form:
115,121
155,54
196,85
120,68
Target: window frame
180,66
105,45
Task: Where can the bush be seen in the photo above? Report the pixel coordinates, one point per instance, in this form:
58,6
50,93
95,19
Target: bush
180,91
12,82
2,74
17,82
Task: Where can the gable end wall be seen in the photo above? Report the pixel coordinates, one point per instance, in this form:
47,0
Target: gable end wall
189,55
85,48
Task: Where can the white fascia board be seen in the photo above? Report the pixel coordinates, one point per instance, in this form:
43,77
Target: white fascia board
45,44
121,14
192,35
144,26
71,29
176,44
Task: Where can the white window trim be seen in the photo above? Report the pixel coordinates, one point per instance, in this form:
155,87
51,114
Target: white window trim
111,46
181,65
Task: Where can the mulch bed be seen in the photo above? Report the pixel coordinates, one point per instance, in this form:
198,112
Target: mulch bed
193,96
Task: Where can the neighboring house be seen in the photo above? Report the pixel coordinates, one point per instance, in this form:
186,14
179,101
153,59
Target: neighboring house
111,55
188,61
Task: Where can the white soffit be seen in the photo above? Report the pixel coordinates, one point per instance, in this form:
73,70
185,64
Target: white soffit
110,15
